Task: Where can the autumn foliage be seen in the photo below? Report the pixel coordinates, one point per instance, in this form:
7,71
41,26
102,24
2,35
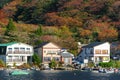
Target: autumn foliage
64,22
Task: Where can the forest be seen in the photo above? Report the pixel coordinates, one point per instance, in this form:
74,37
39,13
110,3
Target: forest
64,22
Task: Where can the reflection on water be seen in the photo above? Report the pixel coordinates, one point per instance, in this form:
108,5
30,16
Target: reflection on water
60,75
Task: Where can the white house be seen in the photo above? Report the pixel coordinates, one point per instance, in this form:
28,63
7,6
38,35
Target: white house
95,52
16,53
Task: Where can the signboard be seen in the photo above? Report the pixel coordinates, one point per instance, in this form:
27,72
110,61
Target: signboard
85,60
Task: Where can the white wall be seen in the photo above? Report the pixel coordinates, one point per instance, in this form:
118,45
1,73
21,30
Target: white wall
105,46
86,52
19,45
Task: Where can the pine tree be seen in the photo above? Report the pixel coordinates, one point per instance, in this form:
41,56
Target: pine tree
39,31
10,27
36,59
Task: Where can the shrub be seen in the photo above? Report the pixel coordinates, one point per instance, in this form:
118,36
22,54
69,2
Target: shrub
105,64
2,64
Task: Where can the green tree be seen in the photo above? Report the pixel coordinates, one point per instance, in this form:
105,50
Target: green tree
53,64
10,27
39,31
64,32
2,64
42,7
36,59
14,64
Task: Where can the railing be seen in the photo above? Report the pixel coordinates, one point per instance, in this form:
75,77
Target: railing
48,59
19,52
16,60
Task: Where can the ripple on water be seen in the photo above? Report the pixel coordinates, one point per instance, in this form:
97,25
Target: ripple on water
60,75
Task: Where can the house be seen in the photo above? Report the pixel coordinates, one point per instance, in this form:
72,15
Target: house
49,51
16,53
95,52
66,57
115,50
80,46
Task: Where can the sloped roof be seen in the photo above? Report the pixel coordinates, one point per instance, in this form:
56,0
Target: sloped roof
8,44
93,44
66,54
43,44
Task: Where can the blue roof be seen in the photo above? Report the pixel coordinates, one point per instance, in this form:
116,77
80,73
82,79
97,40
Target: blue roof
8,44
93,44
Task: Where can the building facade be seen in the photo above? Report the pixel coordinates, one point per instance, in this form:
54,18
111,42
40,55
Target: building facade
49,51
66,57
95,52
16,53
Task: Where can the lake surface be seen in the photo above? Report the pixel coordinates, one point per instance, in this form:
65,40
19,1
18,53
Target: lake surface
60,75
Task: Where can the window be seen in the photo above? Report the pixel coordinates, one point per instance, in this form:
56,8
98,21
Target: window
9,49
106,58
44,51
51,52
16,49
104,51
22,58
47,59
16,58
9,58
98,51
28,49
56,58
22,49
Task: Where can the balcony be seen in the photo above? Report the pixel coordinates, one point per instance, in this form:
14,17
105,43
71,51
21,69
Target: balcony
16,60
19,52
48,59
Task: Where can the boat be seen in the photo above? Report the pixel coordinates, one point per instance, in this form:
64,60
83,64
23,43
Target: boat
19,72
106,71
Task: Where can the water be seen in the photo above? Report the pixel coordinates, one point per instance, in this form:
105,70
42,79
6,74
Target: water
60,75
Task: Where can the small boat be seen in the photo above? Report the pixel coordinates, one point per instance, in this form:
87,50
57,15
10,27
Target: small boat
106,71
19,72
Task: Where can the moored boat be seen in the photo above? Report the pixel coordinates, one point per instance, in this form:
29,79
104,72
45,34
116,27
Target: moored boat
106,71
19,72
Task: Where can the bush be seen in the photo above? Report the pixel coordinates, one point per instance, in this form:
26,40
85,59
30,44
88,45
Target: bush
106,65
91,64
2,64
53,64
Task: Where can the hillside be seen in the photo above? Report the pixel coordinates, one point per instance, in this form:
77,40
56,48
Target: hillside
64,22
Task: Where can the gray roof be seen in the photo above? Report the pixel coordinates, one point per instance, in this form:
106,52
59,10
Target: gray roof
93,44
66,54
42,44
